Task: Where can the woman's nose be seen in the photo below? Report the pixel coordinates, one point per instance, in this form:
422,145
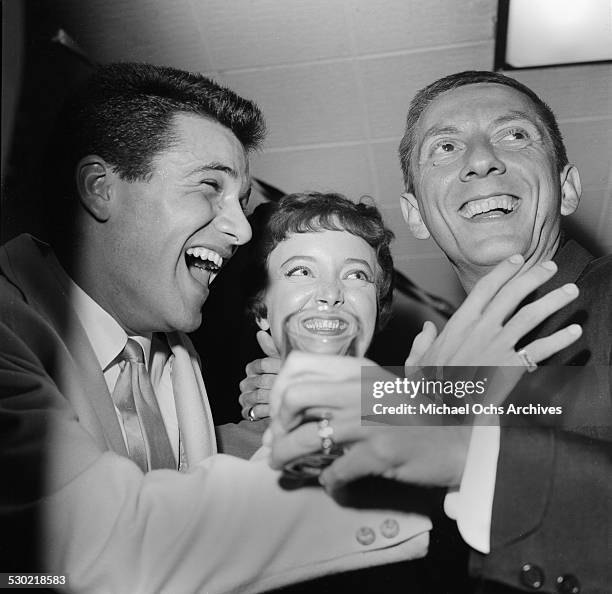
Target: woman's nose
330,294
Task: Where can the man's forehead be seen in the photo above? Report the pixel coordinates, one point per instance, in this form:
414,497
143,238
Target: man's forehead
200,143
478,101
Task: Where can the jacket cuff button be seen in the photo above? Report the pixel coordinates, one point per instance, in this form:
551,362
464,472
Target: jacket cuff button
365,536
568,584
532,576
389,528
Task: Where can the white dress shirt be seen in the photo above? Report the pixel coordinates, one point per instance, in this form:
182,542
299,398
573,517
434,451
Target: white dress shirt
472,504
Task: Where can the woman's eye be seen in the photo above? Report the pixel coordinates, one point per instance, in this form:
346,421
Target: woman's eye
299,271
358,275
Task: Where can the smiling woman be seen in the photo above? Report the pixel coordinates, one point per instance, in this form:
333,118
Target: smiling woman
323,249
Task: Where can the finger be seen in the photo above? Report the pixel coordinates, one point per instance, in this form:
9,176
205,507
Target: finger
267,344
511,295
531,315
265,365
246,400
256,412
305,439
255,382
541,349
423,340
486,289
259,396
358,462
299,398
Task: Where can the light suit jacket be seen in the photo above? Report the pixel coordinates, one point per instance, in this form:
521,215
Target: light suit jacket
223,526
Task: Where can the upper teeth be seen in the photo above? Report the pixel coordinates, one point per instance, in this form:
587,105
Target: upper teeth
483,205
206,254
319,324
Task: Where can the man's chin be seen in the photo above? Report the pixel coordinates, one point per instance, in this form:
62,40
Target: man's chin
494,250
188,322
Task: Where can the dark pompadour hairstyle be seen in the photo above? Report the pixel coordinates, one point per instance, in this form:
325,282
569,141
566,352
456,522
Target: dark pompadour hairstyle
311,212
471,77
123,113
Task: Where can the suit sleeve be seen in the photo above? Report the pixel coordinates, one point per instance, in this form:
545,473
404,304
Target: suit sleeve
552,511
224,526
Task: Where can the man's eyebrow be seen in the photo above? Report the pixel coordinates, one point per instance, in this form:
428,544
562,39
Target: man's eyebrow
439,131
214,166
514,115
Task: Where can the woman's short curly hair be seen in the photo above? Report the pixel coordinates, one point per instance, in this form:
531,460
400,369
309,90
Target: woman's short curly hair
311,212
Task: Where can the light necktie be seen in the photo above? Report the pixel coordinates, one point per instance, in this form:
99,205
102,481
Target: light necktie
146,436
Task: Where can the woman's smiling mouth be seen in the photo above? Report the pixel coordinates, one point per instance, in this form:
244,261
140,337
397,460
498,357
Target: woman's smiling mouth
329,326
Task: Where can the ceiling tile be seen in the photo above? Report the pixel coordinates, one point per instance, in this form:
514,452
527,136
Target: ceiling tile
306,104
395,25
388,172
244,34
391,82
330,169
589,146
572,91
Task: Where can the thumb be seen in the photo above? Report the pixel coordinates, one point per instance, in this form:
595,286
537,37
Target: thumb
267,344
424,339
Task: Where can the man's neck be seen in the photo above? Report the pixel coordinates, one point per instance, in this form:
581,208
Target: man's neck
78,259
469,275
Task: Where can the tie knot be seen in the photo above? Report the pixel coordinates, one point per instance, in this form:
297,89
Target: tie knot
132,352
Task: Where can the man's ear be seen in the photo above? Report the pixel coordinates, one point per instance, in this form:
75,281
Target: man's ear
93,180
412,216
571,189
262,323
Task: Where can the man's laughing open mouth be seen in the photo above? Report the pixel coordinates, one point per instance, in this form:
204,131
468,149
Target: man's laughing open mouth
203,263
489,207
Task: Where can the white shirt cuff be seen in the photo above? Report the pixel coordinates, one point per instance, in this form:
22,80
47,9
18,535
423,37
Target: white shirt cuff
472,504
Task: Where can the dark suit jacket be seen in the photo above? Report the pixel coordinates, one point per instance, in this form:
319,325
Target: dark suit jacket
552,509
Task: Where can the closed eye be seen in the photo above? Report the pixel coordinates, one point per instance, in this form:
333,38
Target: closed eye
212,183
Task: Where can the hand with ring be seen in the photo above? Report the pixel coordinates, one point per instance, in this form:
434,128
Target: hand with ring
260,375
485,330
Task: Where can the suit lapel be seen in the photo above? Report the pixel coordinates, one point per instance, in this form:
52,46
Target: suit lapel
32,266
